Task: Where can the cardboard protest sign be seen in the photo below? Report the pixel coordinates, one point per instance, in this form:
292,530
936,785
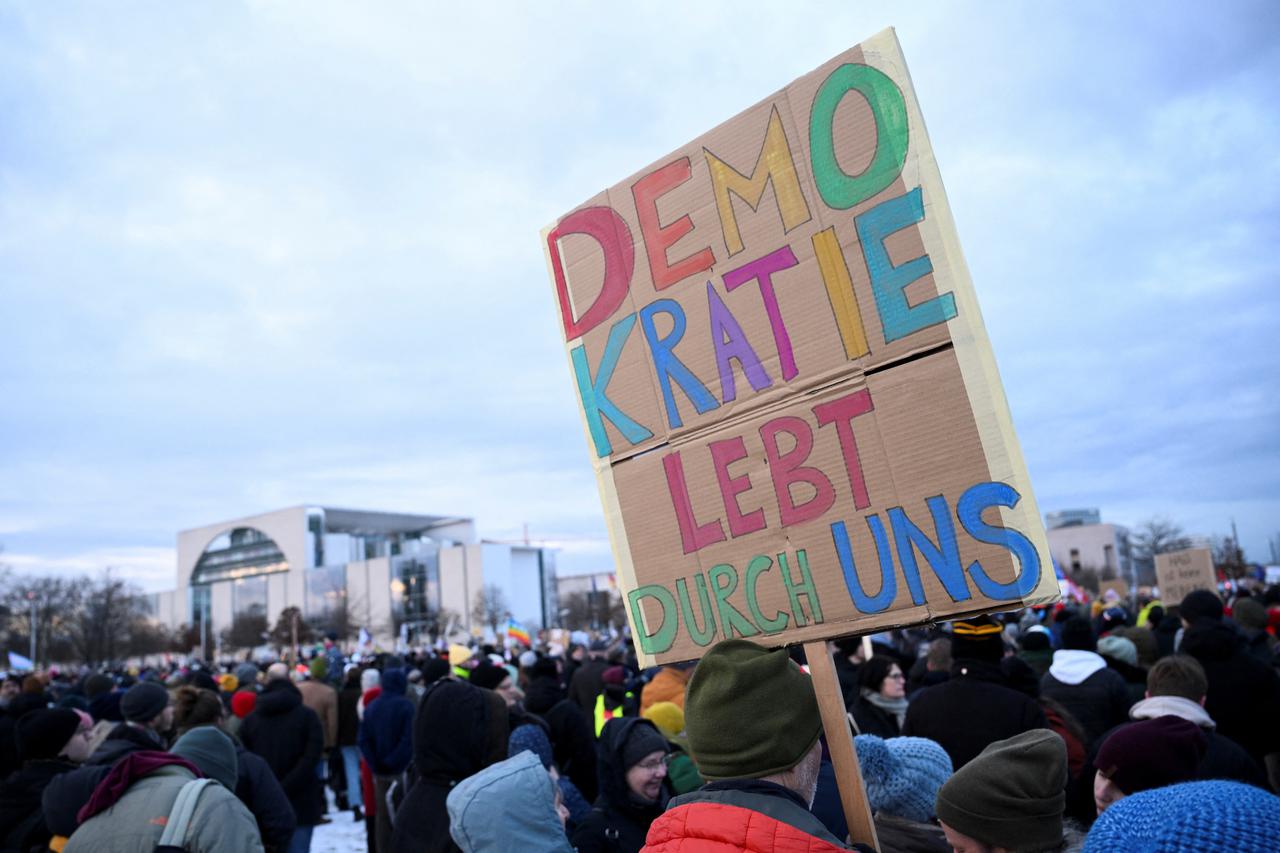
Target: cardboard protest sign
1181,572
792,407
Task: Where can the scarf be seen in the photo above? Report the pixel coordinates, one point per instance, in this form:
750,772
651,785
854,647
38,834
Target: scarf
126,771
897,707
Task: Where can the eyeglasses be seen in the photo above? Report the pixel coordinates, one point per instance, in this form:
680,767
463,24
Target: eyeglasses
896,676
654,764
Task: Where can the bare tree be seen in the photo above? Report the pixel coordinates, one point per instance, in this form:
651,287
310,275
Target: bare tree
490,607
248,630
282,635
1155,536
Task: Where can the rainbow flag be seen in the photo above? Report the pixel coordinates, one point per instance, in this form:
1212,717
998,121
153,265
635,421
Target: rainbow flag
516,631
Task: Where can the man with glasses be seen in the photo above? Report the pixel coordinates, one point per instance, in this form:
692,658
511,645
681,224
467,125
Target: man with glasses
633,787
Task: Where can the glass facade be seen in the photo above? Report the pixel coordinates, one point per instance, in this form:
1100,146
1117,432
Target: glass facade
249,596
415,587
326,592
239,553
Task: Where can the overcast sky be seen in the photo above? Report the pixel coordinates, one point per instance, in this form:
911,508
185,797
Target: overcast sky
261,254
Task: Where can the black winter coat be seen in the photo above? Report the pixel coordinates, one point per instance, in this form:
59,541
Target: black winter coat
587,683
616,824
348,717
69,791
976,696
22,824
1244,694
1097,703
874,721
572,743
260,791
459,729
289,737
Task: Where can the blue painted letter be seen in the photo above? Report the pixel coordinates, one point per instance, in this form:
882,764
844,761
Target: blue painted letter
943,558
592,391
888,583
969,510
668,366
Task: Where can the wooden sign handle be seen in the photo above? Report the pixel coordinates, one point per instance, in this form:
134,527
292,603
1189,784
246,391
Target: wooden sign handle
853,796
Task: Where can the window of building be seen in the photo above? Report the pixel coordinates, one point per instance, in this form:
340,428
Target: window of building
239,553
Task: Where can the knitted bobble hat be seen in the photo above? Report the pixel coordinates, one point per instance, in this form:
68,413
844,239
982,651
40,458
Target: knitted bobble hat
902,774
1190,818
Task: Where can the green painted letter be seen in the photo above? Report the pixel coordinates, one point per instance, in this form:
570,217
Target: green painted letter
731,619
804,586
839,190
659,641
758,565
707,634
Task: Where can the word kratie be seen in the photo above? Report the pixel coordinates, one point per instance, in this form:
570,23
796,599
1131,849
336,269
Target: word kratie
716,615
775,165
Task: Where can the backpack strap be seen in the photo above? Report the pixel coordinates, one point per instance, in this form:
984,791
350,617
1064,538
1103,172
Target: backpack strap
175,829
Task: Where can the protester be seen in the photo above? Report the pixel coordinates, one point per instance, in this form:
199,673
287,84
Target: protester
256,786
902,777
386,741
1251,617
881,707
1145,755
134,807
753,724
1190,818
976,693
321,698
50,742
572,740
148,717
682,773
511,805
632,770
348,732
289,737
534,739
1080,681
588,679
459,730
668,685
1244,693
1010,797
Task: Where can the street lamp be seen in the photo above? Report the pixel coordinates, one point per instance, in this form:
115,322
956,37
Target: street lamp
31,596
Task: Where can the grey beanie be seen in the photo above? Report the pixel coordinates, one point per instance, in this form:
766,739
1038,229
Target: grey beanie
644,739
247,674
212,751
143,702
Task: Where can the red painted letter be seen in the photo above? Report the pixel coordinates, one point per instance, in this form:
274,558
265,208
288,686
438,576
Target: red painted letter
841,412
607,228
657,238
692,537
787,468
723,454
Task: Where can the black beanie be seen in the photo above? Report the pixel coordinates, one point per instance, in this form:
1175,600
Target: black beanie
643,740
1077,634
1035,641
143,702
1201,604
43,733
979,638
434,670
97,684
488,675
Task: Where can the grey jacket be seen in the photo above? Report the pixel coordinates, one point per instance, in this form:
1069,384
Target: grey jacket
220,824
507,806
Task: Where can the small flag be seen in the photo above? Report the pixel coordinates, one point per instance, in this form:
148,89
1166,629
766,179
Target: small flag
364,637
516,631
17,661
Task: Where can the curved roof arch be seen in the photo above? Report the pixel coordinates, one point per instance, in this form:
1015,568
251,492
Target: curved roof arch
238,552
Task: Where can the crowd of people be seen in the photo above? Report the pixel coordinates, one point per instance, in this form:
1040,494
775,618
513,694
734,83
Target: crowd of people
1083,726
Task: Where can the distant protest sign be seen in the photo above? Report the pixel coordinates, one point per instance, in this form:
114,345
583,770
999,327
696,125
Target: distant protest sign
1181,572
1120,587
793,410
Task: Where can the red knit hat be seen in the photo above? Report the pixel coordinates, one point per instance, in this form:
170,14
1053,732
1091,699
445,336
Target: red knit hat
242,703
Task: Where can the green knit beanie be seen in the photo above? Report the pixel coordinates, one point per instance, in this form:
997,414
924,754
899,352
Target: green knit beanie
749,712
319,668
1012,794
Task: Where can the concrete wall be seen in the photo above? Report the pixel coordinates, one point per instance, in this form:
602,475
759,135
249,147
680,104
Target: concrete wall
1095,546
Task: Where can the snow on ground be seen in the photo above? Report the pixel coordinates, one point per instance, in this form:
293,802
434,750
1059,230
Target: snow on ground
342,835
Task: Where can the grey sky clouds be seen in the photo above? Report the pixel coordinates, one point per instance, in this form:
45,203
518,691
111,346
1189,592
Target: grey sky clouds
274,253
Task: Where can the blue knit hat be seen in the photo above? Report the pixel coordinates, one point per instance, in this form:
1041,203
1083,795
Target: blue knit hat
1191,817
902,774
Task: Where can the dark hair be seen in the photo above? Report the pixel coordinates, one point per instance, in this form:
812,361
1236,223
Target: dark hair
195,706
1077,634
1178,675
872,674
939,654
1201,604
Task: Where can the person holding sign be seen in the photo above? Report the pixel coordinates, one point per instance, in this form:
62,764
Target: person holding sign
753,724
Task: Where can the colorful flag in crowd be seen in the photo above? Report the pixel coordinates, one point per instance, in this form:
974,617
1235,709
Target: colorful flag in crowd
516,631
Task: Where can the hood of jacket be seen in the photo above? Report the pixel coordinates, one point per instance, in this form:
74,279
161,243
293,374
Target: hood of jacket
543,694
122,740
278,697
1073,666
519,790
611,771
1177,706
1209,640
451,733
394,682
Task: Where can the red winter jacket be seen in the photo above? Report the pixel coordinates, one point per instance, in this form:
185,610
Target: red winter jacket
705,822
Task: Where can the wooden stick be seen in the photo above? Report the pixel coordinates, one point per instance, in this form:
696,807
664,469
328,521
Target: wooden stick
853,796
